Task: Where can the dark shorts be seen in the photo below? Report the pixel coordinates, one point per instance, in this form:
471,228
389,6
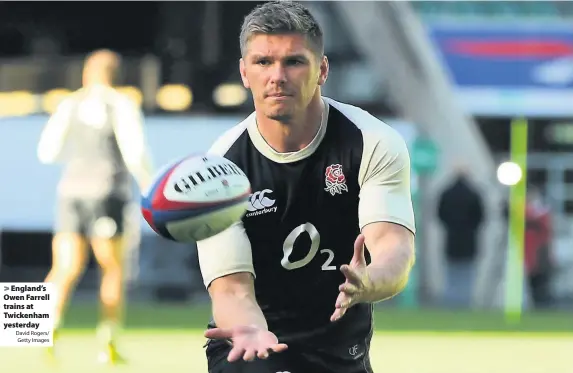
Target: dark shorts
93,218
352,359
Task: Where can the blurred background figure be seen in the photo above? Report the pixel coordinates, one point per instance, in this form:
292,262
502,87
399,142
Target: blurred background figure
539,261
538,253
97,134
461,212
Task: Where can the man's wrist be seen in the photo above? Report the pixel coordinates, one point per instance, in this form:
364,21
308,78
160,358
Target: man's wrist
379,286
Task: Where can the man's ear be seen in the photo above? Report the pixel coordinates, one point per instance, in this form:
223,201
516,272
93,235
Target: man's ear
323,71
244,74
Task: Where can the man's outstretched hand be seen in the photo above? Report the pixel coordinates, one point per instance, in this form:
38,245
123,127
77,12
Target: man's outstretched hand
357,285
248,342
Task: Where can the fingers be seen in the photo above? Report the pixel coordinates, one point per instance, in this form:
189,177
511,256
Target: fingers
349,294
349,289
218,333
351,275
249,354
263,354
248,343
343,302
359,247
279,347
235,354
338,313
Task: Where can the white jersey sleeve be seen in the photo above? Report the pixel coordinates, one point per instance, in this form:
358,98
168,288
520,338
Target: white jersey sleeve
384,175
54,134
130,135
229,251
384,178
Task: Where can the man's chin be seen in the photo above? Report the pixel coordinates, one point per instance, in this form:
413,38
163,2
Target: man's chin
280,116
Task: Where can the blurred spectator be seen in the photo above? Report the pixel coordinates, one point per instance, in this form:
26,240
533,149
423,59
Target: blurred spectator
460,210
537,246
537,256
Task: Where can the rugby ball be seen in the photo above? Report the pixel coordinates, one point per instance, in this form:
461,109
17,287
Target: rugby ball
195,198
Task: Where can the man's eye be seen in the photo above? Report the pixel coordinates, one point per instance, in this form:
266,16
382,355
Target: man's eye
294,62
263,62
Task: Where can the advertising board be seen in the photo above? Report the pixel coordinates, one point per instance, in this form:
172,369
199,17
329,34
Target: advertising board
508,69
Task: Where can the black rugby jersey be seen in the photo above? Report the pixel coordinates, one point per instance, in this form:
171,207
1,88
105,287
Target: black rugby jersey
85,133
305,212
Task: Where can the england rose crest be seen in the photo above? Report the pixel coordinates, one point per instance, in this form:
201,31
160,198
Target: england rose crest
335,179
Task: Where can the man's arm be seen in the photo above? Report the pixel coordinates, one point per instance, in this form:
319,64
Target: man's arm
131,141
236,292
54,134
391,248
227,269
386,214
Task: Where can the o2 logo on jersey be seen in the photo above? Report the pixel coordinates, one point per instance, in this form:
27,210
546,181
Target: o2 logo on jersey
335,179
288,246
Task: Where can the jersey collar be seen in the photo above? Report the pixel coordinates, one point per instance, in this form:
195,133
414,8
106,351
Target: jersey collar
265,149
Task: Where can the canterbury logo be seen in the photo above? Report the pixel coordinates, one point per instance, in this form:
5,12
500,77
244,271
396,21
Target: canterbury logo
260,204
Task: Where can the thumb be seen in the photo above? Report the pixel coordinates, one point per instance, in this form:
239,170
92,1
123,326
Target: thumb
359,249
219,333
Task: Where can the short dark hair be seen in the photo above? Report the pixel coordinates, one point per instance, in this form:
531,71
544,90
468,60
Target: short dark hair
282,17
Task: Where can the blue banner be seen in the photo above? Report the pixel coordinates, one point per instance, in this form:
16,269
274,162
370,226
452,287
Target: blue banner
510,69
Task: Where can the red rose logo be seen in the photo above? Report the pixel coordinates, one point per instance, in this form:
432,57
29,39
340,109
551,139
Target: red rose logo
334,174
335,180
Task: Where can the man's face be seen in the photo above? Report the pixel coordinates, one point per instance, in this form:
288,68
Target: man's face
282,73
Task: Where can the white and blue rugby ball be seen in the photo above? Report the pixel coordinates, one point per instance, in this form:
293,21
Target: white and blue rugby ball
195,198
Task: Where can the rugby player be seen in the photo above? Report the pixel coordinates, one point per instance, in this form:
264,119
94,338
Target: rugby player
97,133
292,285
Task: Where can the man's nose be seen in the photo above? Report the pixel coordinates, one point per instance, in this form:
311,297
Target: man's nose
278,74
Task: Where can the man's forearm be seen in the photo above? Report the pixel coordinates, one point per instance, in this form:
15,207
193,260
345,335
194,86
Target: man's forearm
232,309
389,271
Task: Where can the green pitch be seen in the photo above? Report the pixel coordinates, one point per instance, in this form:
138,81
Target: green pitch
169,339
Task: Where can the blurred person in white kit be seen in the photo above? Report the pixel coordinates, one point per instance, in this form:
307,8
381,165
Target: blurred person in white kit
97,134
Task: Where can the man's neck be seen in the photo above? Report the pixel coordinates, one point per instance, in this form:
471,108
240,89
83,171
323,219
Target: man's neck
89,83
295,135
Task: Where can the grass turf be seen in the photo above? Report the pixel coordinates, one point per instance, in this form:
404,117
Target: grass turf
181,317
